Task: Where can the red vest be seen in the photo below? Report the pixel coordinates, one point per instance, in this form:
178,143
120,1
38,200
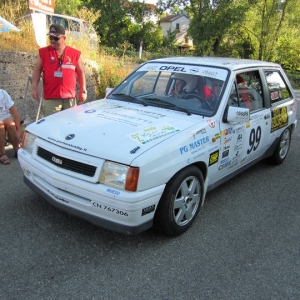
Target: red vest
63,84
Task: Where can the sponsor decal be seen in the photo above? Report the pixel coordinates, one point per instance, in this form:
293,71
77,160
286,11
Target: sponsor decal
173,69
195,145
225,153
211,123
141,112
275,95
227,131
70,137
217,136
280,118
213,158
234,162
226,164
227,140
68,60
113,191
90,111
238,147
153,133
210,73
193,134
67,144
239,138
256,116
199,155
243,160
248,125
243,113
57,197
223,161
135,149
240,129
151,67
148,210
123,118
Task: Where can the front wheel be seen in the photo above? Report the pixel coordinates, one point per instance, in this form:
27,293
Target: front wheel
180,202
282,147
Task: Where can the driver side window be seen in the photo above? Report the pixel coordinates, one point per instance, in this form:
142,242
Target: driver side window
246,92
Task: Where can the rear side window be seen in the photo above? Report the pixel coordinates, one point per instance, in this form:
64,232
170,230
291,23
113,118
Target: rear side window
57,20
74,26
278,90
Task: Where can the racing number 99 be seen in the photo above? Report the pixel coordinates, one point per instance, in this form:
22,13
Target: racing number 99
254,139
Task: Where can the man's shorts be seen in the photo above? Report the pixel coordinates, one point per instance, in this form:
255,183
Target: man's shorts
8,115
52,106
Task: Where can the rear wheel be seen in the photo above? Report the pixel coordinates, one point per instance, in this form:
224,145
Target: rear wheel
180,202
282,147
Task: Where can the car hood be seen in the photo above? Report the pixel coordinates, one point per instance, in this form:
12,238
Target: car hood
111,129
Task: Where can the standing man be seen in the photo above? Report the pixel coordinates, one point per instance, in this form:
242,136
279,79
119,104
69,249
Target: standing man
60,64
10,122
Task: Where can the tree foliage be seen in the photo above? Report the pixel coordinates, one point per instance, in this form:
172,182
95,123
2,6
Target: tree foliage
121,20
69,7
259,29
12,9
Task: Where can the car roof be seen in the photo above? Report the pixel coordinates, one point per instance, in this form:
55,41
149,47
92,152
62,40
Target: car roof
230,63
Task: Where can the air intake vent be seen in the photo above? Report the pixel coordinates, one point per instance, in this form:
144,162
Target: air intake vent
66,163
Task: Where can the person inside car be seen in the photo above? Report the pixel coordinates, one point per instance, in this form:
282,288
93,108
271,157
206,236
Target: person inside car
211,103
185,84
204,92
245,101
178,88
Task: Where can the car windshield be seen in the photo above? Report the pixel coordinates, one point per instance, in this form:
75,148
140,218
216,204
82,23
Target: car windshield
191,89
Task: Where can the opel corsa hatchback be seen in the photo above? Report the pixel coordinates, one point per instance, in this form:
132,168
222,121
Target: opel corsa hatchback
149,152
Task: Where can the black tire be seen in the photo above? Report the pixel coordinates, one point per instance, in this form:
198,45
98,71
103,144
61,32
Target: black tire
282,147
180,202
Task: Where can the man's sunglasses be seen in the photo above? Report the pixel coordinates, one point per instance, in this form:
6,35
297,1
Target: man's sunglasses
51,37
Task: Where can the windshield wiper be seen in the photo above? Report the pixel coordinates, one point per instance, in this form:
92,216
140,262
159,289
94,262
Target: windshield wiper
166,103
129,98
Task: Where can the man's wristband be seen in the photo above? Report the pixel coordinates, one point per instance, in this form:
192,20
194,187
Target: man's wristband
84,91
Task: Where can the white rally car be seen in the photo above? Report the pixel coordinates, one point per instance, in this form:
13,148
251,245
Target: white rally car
148,153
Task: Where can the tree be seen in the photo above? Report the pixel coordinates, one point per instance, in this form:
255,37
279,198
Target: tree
211,21
69,7
13,9
273,27
259,29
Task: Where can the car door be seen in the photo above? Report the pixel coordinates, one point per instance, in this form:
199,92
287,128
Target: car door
242,143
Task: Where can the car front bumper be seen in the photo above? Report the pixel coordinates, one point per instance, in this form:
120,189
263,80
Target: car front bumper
116,210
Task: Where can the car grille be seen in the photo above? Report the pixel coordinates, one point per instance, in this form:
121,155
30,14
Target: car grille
66,163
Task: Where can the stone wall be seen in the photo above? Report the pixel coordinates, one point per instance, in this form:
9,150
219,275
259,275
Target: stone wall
15,69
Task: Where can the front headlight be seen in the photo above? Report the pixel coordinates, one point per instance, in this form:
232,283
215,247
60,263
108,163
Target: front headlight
28,141
120,176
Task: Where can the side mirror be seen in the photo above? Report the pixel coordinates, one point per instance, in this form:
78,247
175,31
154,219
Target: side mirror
237,114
